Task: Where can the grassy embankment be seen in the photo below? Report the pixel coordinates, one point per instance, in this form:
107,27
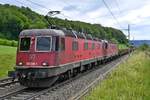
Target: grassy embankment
130,81
7,59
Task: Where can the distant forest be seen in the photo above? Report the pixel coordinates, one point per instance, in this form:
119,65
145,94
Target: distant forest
14,19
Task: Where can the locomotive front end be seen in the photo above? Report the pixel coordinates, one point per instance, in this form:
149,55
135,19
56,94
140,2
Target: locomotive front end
36,63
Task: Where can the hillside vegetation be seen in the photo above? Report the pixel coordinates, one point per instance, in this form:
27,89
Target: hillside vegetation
130,81
14,19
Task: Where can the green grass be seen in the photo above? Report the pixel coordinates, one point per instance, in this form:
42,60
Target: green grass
7,59
130,81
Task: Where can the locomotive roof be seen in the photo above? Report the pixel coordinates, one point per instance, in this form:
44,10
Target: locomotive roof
54,32
39,32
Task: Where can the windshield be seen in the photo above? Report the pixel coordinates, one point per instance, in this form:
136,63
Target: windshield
43,44
25,44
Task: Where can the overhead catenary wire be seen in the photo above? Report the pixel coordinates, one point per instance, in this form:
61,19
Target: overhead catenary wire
117,4
20,2
37,4
24,4
111,13
42,6
34,4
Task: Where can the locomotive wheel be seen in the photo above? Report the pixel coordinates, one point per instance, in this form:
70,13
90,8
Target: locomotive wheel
38,83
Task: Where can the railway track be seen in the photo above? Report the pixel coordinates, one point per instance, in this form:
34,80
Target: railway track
7,86
33,94
7,82
58,90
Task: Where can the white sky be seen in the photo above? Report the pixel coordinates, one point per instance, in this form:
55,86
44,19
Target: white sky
133,12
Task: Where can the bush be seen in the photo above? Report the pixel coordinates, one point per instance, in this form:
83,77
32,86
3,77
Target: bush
8,42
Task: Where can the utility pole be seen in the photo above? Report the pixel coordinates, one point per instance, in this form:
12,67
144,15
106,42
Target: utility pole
128,36
128,29
129,32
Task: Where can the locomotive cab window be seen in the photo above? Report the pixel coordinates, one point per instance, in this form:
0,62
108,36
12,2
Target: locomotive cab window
25,44
43,44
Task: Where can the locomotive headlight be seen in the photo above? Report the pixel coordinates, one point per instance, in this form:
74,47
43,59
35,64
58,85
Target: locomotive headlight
20,63
44,64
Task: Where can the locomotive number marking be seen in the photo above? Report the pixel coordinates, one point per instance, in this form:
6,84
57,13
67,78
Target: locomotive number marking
31,63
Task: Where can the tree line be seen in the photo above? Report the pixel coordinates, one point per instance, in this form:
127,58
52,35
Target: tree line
14,19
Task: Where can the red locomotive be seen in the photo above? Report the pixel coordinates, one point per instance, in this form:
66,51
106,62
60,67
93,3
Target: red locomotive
44,55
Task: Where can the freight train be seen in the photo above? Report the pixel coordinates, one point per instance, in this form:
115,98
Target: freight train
46,55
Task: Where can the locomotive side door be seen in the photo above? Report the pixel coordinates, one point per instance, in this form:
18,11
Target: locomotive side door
61,52
104,49
55,48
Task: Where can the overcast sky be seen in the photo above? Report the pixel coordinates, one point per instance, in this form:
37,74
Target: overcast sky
133,12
